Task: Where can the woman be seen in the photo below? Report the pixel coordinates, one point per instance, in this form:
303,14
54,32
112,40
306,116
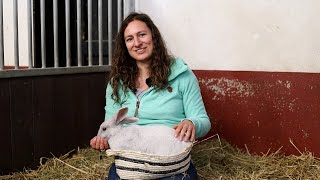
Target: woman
156,87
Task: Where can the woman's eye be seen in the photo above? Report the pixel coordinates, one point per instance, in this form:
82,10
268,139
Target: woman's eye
141,35
128,40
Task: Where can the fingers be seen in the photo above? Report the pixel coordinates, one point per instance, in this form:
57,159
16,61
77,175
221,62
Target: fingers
193,135
185,131
93,142
102,144
188,134
177,128
99,143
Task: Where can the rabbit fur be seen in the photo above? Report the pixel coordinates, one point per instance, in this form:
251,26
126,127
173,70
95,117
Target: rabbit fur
159,140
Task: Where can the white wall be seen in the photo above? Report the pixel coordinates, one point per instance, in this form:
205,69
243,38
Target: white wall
8,32
260,35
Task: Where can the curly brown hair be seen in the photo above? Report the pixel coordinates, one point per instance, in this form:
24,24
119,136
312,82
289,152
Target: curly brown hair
124,67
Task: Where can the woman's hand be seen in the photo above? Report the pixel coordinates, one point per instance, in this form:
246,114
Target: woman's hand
185,130
99,143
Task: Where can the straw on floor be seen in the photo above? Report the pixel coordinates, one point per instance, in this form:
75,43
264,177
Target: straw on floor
214,159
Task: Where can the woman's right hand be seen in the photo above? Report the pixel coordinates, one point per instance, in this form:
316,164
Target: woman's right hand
99,143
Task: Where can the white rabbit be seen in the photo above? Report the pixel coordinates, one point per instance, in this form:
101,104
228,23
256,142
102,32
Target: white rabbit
157,140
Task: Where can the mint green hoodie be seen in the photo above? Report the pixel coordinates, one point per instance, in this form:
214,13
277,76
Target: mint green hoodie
164,107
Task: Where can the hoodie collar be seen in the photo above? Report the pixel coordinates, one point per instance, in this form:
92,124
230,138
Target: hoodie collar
177,68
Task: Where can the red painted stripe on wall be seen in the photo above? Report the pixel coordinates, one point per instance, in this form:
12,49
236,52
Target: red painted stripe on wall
264,110
12,67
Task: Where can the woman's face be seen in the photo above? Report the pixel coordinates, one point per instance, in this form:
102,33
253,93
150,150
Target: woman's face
138,39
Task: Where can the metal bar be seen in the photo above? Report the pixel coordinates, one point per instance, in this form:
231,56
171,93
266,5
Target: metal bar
32,31
16,36
136,5
68,45
90,32
119,13
100,32
128,7
1,36
109,31
29,34
43,33
125,8
79,32
55,34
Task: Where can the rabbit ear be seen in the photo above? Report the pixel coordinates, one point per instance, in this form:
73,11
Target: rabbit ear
129,120
120,115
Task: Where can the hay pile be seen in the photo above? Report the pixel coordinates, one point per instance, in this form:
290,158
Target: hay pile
222,161
214,159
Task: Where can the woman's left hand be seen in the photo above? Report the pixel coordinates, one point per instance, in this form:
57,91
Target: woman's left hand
185,130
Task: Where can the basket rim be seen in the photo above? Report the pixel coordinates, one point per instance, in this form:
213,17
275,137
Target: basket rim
111,152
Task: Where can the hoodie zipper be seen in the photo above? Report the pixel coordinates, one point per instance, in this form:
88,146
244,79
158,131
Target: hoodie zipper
137,108
138,101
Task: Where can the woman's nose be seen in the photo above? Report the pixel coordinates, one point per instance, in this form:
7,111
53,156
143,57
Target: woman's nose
137,42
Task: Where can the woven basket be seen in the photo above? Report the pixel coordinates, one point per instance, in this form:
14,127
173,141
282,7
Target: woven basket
137,165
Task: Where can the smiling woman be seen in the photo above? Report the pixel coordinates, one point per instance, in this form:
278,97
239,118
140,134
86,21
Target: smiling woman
156,87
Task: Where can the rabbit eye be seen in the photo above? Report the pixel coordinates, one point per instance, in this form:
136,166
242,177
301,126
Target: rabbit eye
104,129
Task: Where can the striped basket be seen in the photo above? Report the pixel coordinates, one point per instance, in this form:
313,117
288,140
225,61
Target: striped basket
137,165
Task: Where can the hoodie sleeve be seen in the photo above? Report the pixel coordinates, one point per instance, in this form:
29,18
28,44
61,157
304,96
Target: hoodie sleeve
193,104
111,106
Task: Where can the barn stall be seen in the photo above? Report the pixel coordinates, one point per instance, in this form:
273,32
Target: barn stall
266,112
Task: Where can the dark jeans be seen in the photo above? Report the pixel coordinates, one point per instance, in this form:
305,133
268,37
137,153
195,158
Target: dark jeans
191,174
